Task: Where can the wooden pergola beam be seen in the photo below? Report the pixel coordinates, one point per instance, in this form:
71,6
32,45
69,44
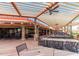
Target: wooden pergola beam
15,7
47,9
72,20
16,16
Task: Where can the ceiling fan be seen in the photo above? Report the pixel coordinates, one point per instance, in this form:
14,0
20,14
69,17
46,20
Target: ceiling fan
52,11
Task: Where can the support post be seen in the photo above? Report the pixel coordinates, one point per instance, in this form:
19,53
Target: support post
49,32
71,30
26,32
36,31
23,32
67,29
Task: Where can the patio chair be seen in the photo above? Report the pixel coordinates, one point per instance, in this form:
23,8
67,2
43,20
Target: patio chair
21,48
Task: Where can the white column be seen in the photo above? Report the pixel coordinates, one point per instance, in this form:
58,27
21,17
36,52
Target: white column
23,32
64,29
71,30
36,31
67,29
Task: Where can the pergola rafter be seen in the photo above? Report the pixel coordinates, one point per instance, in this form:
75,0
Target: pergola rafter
72,20
15,7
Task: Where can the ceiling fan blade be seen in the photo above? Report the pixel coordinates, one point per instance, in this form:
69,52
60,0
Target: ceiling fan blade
55,11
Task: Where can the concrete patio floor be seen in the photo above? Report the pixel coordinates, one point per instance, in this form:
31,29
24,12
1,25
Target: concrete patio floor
8,48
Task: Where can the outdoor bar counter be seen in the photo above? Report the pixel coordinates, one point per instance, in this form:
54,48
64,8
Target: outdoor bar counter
60,43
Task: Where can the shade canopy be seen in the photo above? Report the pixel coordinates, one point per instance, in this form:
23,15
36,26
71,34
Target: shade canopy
62,13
